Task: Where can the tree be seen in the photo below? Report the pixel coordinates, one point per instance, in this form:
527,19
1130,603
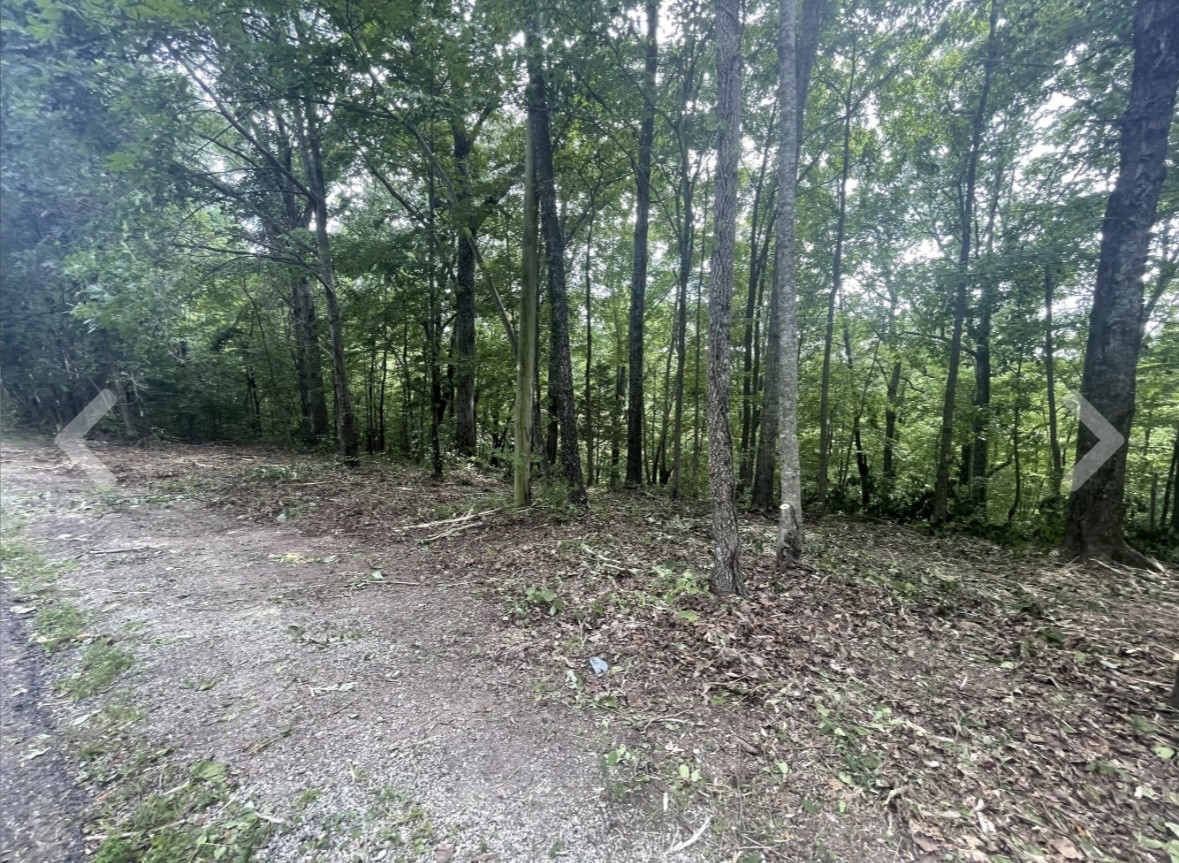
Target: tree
726,574
789,548
561,369
966,206
638,283
1095,528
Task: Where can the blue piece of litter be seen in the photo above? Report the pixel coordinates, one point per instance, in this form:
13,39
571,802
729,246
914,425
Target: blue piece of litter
599,665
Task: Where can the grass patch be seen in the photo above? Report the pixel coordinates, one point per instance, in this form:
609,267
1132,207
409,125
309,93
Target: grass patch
101,665
58,624
197,819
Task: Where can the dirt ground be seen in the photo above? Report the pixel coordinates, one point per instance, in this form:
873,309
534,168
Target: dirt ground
322,663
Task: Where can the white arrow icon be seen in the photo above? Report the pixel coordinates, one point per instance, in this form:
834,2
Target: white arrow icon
71,439
1109,439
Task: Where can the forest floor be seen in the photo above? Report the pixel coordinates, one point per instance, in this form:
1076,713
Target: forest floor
246,651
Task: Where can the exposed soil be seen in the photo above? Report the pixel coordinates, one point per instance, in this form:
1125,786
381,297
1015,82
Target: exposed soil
360,632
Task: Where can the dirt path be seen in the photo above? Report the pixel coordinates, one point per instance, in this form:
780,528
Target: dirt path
361,716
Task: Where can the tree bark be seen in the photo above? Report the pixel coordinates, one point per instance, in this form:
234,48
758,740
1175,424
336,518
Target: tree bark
726,573
1095,529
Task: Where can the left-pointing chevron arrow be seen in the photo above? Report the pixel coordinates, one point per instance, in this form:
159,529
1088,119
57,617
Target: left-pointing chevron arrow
72,438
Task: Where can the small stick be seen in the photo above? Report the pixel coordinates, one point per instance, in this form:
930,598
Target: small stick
121,550
675,849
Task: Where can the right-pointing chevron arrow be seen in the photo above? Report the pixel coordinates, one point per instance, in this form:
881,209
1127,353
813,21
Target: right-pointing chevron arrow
1109,439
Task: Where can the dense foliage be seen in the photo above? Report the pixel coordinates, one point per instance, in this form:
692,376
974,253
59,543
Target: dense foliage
300,225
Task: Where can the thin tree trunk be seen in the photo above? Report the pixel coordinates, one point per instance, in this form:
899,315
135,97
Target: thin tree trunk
308,366
1094,528
464,299
763,476
747,338
825,436
1172,484
345,418
696,368
529,313
789,547
638,285
589,358
686,242
961,292
561,369
1057,471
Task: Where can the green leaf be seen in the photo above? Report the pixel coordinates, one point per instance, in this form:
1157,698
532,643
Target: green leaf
1164,752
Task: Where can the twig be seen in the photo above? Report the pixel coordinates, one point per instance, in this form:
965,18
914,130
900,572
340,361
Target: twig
675,849
121,550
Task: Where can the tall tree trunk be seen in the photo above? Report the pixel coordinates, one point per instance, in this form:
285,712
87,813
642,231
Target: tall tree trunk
561,370
763,478
1057,470
961,292
696,367
313,157
825,436
789,547
726,573
638,284
888,463
686,242
589,357
752,302
1094,528
464,300
981,421
529,313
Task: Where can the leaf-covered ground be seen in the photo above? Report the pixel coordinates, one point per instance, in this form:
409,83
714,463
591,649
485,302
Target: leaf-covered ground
932,698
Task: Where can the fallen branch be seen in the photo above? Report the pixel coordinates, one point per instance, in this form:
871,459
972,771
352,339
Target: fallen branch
122,550
470,516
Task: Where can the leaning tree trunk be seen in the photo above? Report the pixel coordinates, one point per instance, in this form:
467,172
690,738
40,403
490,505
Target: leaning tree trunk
554,241
638,284
726,573
1094,529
